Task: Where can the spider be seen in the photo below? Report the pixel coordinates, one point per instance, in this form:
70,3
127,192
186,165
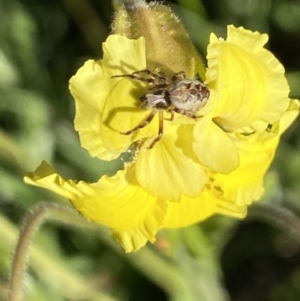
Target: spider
181,95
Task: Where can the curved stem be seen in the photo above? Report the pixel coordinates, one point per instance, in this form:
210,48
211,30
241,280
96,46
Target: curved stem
282,218
33,221
31,224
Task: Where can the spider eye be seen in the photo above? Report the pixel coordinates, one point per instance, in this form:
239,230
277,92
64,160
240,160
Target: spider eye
143,98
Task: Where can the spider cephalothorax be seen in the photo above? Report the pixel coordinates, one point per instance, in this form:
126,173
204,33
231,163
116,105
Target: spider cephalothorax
181,95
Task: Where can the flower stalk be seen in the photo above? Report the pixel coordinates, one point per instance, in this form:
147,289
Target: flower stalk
167,41
32,223
281,218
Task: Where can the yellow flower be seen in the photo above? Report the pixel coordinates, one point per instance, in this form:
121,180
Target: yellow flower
200,167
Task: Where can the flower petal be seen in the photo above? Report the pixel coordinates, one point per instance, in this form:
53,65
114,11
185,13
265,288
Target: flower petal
245,184
123,56
214,147
249,80
122,113
171,169
290,115
191,210
117,202
90,88
92,85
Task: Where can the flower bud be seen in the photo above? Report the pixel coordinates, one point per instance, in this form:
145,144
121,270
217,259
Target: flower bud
168,46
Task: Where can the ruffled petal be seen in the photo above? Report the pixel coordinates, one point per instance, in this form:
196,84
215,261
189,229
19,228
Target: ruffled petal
249,81
214,148
117,202
122,55
245,184
290,115
134,239
171,169
191,210
91,87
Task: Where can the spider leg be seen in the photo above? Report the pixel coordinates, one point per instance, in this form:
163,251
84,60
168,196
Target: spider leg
159,77
149,77
137,77
186,113
149,72
171,111
142,124
160,129
172,115
178,76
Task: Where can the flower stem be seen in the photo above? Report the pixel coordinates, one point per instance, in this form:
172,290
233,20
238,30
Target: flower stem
33,221
31,224
282,218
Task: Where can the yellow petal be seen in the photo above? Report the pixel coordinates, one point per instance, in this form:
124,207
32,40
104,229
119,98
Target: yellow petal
122,112
122,55
290,115
191,210
214,147
245,184
171,169
248,79
90,88
92,85
117,202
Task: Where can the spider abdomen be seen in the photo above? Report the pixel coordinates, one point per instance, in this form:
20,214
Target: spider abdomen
189,95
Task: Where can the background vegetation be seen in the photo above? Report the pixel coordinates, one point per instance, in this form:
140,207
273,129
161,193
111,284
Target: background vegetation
42,44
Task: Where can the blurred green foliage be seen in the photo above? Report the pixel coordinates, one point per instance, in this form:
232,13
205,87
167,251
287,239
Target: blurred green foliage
42,44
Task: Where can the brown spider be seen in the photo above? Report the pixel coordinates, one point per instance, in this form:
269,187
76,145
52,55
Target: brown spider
181,95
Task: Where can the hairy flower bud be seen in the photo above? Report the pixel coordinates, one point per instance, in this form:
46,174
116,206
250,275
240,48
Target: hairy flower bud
168,45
